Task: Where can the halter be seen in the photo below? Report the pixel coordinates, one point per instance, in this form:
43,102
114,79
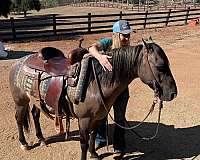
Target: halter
155,83
155,101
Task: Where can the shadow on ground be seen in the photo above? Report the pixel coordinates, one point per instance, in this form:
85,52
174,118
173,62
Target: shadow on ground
17,54
48,38
170,143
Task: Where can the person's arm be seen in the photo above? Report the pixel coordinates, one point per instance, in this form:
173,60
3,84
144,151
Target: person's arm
103,59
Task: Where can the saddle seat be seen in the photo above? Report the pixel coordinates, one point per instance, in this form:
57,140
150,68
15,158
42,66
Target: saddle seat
51,61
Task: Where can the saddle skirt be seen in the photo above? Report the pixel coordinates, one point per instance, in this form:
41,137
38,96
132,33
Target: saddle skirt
47,83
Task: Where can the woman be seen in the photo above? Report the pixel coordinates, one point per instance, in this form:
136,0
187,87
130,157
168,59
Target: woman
120,38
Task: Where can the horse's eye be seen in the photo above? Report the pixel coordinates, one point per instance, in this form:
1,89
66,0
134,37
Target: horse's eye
161,68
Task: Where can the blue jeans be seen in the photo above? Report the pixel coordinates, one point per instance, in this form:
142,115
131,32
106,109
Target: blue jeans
119,117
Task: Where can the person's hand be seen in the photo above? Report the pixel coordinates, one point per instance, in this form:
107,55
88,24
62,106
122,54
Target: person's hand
103,60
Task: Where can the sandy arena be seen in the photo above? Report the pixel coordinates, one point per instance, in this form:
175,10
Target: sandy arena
178,136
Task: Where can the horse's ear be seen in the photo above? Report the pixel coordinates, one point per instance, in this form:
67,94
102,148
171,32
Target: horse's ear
148,47
150,39
144,42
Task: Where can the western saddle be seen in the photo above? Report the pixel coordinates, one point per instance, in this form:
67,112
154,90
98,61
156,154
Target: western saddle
62,71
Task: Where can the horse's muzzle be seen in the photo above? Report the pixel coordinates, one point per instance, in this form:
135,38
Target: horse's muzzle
173,95
169,97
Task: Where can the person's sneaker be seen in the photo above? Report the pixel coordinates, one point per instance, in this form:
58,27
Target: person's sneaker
100,145
118,154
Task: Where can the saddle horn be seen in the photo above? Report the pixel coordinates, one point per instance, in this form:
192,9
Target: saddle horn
76,55
80,42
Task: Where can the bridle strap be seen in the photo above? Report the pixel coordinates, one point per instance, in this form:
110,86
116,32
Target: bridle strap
156,89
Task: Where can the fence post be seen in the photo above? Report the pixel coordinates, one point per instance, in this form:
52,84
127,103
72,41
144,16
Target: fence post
13,28
89,22
54,24
120,15
187,14
145,19
168,16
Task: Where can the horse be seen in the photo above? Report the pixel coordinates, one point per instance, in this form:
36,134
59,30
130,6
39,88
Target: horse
146,61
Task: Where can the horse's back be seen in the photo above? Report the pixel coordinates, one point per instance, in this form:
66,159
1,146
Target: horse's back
16,68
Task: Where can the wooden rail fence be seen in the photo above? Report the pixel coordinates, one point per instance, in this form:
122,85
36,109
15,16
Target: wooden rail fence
54,25
135,7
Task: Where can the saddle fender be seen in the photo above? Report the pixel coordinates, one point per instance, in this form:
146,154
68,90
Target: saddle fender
54,92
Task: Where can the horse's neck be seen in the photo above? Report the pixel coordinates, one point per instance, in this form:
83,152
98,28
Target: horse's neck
125,62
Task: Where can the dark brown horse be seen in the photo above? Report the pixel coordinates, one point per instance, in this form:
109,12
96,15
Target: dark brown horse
146,61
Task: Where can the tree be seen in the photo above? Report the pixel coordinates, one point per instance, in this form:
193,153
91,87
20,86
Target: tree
25,5
5,7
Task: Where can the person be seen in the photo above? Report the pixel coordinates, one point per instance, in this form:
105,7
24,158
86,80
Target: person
120,38
3,53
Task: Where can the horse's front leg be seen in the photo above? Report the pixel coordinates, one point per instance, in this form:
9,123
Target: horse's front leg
36,117
85,129
92,150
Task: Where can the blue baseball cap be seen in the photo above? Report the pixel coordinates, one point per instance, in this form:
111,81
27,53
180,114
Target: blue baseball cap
122,26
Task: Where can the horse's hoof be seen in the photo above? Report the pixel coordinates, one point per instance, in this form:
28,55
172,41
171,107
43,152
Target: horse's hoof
67,137
94,156
118,155
43,143
25,147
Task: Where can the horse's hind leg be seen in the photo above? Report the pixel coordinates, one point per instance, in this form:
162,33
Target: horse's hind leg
67,128
36,117
59,125
20,118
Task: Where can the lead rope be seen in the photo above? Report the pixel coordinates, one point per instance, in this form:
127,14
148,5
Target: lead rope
133,127
158,124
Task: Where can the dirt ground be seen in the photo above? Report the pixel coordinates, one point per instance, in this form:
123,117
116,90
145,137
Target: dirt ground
178,136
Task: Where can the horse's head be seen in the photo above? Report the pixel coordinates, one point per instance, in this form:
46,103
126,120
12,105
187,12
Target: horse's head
154,71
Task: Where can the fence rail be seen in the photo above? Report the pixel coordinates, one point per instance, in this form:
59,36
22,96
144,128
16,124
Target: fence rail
54,25
127,5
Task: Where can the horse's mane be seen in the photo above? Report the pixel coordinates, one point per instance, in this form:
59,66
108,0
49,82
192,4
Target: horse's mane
123,61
